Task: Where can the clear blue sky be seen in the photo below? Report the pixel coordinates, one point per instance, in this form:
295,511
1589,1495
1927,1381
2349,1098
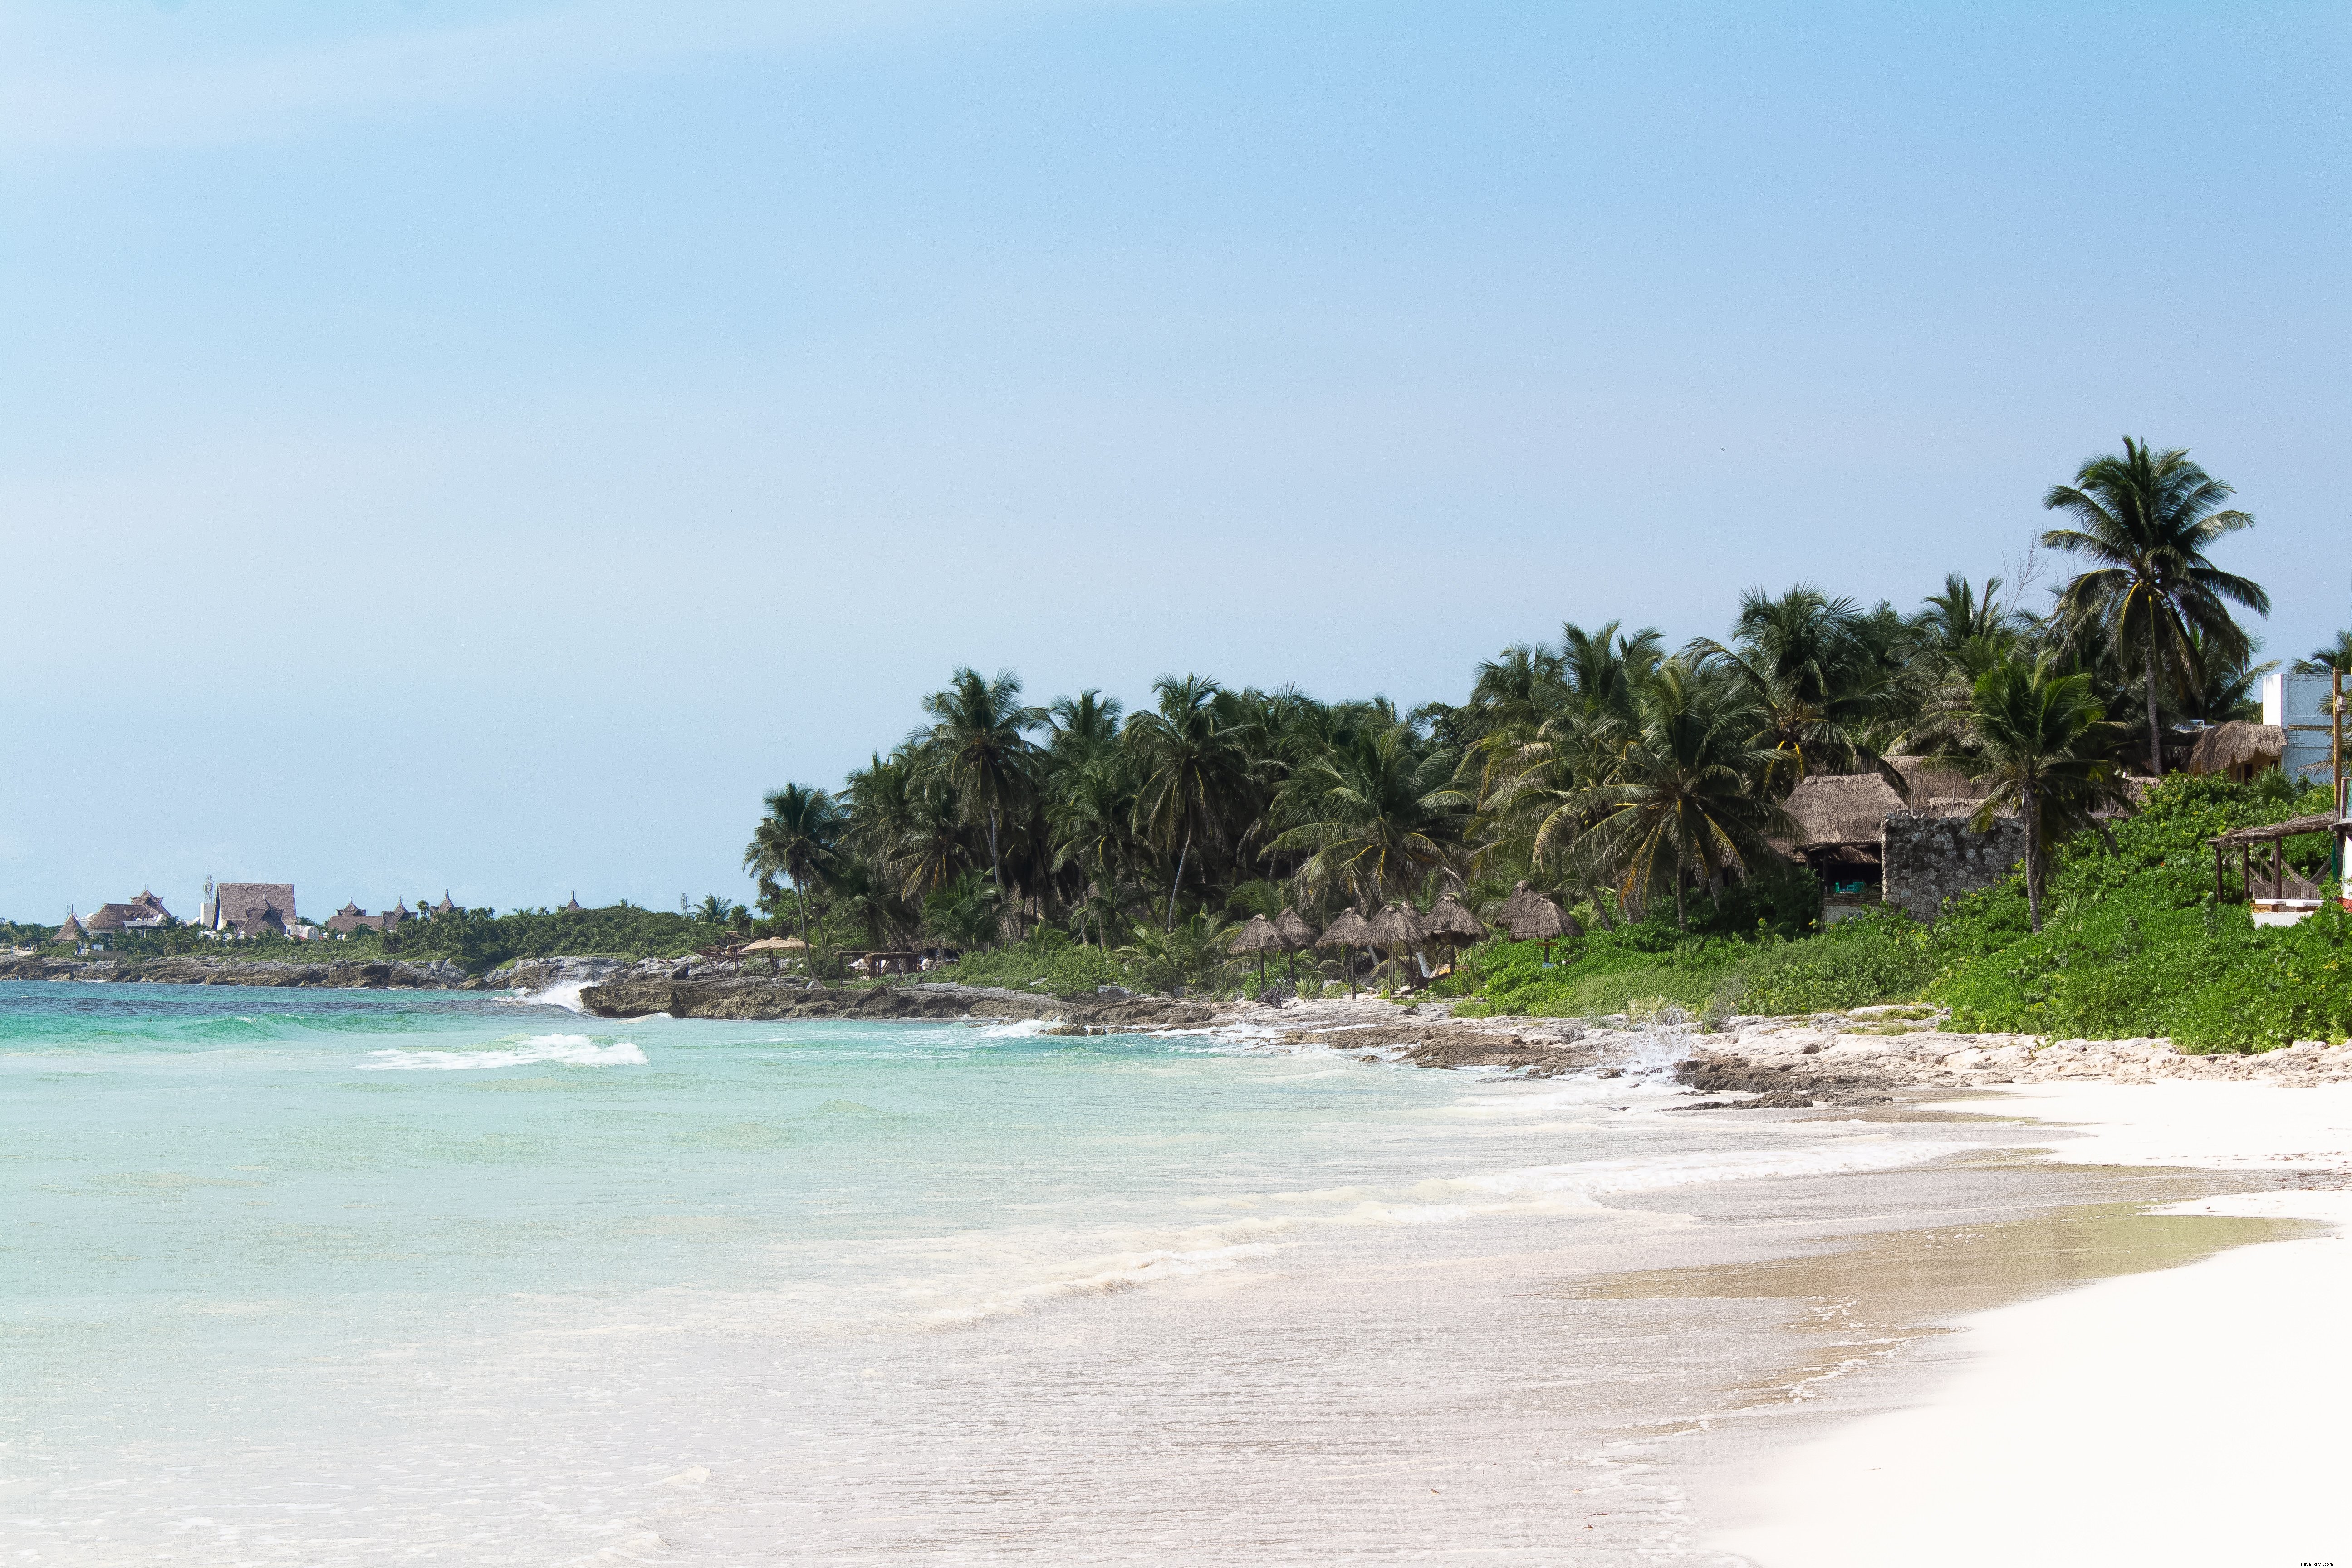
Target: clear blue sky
488,445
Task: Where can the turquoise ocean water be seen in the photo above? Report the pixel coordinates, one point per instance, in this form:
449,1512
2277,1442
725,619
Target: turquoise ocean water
309,1278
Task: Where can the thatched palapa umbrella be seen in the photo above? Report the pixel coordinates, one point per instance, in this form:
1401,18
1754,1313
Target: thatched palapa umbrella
1258,936
1346,934
1449,922
1296,935
1395,927
1529,916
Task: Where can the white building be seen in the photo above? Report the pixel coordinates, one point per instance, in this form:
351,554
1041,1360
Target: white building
2299,705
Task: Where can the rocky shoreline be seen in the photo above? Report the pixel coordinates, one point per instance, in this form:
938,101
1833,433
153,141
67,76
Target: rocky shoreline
766,998
1856,1058
200,970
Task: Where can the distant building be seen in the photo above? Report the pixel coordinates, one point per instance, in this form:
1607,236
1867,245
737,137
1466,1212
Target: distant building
573,907
249,909
72,931
2297,706
145,912
351,918
445,907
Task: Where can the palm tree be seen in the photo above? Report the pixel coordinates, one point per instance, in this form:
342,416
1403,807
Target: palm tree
1194,767
965,913
1684,793
2336,655
2227,688
1604,668
797,839
1375,815
715,910
1810,672
978,745
2148,517
1084,727
1958,616
2040,739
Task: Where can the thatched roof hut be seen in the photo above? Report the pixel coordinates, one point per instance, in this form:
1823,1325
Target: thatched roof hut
775,945
1350,930
1927,781
1840,809
1296,933
1257,935
1448,920
1399,925
1529,916
2238,750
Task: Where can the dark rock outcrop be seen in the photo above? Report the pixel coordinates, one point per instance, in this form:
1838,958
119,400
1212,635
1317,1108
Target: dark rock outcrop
194,970
1787,1085
765,998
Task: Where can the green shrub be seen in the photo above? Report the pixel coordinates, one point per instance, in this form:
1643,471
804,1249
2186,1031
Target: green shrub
2132,944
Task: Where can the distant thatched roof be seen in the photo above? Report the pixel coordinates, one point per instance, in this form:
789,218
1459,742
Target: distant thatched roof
1925,780
2237,744
1841,808
1258,936
1296,935
1529,916
775,945
1350,930
1448,918
71,931
1398,925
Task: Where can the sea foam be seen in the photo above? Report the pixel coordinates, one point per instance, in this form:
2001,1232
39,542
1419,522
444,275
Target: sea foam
573,1050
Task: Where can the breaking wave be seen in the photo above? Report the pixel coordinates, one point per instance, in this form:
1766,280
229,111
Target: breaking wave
573,1050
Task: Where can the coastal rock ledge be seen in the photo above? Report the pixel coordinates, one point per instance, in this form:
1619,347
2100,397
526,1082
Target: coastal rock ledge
188,969
762,998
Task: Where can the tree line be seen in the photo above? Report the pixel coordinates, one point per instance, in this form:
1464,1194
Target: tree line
1626,778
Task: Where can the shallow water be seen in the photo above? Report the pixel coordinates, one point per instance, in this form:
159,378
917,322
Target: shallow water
335,1278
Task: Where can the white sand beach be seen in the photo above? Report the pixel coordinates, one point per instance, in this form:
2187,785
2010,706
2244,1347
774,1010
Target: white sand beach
2191,1416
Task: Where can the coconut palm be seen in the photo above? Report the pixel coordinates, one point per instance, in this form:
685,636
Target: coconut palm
715,908
2227,688
1604,668
1083,727
2336,655
2040,739
1193,767
1375,815
796,839
1682,795
1959,615
2147,517
1810,670
979,746
966,913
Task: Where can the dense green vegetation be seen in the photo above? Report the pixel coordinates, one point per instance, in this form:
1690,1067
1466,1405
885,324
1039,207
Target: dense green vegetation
476,939
2132,944
1078,844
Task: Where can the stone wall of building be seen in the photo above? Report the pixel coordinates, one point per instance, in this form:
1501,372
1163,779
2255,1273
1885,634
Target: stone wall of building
1929,858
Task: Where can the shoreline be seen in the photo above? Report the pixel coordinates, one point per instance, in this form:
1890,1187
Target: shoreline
2176,1413
1850,1059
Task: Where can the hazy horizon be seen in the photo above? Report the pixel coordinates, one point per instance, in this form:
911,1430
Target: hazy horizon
489,446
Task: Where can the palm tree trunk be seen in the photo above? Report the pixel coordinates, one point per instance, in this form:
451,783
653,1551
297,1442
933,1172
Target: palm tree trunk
806,955
1179,882
2027,809
1681,924
995,868
2155,735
